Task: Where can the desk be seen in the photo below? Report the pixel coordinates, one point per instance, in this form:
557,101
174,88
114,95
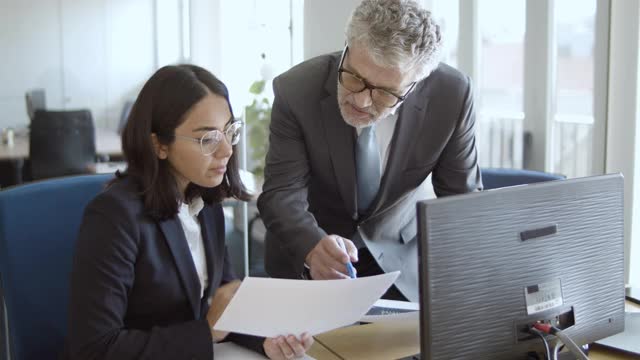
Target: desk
384,341
107,143
598,352
401,339
319,352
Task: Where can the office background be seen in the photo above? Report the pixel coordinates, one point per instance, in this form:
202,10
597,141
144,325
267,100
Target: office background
556,81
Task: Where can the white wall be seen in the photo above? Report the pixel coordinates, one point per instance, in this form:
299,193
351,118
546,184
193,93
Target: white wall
168,33
86,54
130,59
205,34
324,24
325,21
31,48
83,27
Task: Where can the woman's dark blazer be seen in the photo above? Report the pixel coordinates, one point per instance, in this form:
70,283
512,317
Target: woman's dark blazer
135,293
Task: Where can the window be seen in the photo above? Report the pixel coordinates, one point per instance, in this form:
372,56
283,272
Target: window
573,118
545,114
541,70
446,15
501,83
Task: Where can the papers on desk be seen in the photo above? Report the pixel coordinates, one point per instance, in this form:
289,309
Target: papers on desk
391,310
230,351
273,307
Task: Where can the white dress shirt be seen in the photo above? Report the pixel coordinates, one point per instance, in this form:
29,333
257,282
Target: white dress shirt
188,215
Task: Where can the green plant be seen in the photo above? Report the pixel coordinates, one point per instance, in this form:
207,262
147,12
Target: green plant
257,117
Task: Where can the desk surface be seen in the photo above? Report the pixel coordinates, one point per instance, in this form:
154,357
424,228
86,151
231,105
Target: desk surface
107,143
401,339
598,352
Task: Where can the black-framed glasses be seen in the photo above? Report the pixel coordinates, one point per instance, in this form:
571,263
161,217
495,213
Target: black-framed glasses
356,84
210,140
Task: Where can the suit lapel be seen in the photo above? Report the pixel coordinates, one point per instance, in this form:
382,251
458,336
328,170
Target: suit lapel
174,235
341,139
411,118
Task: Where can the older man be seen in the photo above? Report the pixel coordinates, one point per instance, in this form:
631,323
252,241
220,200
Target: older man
354,136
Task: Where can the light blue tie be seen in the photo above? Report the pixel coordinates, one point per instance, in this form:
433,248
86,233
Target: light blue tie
367,168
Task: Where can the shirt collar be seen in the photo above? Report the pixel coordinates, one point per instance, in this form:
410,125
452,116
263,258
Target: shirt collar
386,118
193,208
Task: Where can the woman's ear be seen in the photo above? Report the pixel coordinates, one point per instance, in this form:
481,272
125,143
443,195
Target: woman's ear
161,150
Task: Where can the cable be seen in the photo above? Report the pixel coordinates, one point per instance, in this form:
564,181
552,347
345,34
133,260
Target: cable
556,349
575,349
544,341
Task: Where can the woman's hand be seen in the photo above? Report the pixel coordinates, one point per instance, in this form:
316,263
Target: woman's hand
287,347
219,302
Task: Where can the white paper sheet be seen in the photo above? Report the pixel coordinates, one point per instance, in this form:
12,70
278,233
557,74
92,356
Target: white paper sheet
391,310
230,351
273,307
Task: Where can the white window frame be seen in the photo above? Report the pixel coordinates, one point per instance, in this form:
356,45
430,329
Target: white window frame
623,138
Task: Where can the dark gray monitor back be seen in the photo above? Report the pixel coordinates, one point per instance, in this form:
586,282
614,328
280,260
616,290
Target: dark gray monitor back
476,269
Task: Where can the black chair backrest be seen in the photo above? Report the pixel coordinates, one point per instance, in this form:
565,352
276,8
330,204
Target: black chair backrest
124,116
36,100
61,143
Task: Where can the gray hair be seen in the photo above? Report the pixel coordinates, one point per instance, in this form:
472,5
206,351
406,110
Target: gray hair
397,33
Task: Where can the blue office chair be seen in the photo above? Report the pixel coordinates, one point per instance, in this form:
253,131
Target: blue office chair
38,228
493,178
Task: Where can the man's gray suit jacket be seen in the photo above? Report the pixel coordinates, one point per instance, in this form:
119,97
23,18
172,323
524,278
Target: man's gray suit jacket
310,173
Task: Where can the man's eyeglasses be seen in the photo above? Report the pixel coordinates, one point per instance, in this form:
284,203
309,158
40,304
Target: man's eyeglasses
356,84
210,140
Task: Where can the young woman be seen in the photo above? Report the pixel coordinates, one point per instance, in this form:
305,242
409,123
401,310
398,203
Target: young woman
151,274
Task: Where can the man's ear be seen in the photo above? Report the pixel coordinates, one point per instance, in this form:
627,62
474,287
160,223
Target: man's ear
162,151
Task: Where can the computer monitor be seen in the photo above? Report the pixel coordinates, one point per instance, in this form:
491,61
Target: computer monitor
494,262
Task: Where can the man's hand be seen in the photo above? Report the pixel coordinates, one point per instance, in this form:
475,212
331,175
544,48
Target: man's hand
287,347
219,302
327,260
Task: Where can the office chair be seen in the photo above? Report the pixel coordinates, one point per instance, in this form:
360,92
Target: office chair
35,100
493,178
61,143
4,333
124,115
38,228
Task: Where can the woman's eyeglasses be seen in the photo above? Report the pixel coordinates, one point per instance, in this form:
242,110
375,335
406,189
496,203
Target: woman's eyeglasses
210,140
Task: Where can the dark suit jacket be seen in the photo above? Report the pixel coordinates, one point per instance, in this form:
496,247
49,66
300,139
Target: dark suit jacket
135,293
310,173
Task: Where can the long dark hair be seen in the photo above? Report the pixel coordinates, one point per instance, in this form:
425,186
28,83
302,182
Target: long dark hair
160,108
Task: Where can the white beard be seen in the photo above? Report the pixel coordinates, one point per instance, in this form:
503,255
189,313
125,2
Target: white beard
360,123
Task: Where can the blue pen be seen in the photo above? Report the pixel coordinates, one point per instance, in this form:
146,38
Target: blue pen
350,269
